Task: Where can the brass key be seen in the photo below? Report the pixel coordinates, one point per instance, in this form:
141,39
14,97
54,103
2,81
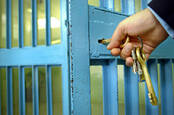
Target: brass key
107,41
142,60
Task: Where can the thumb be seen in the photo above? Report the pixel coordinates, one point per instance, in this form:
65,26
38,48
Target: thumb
119,34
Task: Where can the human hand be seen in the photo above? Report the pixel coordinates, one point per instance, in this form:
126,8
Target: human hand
142,24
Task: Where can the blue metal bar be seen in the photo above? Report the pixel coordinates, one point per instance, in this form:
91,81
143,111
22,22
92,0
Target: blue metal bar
9,91
110,88
0,92
65,88
49,90
103,3
64,19
48,26
109,4
153,71
8,24
128,6
35,90
21,91
131,92
79,64
34,23
166,86
143,4
20,21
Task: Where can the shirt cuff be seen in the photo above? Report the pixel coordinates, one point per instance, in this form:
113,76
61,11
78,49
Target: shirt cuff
168,29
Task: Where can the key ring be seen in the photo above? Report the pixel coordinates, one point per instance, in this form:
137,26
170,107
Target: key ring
141,41
124,43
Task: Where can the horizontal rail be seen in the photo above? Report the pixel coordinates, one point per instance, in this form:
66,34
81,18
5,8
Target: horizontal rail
32,56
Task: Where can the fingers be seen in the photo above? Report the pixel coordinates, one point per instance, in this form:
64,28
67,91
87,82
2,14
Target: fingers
126,51
115,51
117,37
126,54
129,61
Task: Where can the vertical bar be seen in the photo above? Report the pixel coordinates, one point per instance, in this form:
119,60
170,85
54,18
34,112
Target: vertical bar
103,3
21,29
8,22
79,68
21,91
1,26
153,71
110,88
34,23
166,86
65,88
143,4
48,30
35,90
131,92
49,90
64,18
9,91
0,92
109,4
128,6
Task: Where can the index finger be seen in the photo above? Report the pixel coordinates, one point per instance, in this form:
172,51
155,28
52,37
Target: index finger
117,38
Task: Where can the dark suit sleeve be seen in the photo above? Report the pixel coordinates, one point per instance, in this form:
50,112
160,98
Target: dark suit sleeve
165,9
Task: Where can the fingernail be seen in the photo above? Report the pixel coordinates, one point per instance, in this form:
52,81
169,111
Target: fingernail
108,47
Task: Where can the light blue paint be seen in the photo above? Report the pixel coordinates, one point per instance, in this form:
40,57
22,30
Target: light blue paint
35,90
110,88
131,89
0,94
166,86
48,26
128,7
40,55
79,64
103,3
108,4
153,71
164,51
21,91
143,4
9,91
64,10
34,23
20,21
102,23
49,90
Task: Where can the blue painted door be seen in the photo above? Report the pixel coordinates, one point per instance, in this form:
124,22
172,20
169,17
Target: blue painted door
122,91
34,66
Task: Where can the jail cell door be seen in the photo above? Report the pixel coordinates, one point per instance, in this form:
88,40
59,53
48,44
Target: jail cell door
34,58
